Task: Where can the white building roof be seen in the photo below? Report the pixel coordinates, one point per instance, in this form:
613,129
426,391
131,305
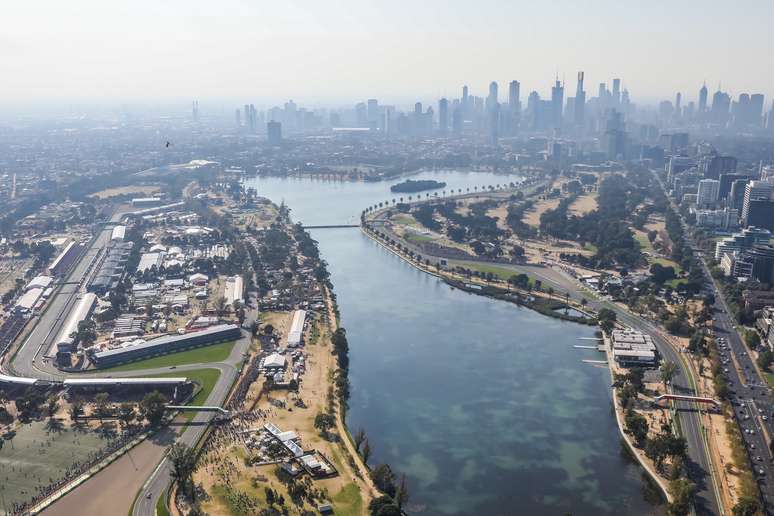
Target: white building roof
274,360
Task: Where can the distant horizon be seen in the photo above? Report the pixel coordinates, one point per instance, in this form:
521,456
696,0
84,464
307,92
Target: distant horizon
150,52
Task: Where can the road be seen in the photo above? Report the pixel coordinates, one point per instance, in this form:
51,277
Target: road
748,390
31,360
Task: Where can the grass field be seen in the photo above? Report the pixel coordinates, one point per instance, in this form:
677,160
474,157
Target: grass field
498,272
413,237
203,355
206,378
406,220
37,455
348,501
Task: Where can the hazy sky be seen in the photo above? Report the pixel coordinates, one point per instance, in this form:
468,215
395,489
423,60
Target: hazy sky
325,51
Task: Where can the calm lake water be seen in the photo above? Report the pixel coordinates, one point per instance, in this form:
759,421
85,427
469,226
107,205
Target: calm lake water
485,406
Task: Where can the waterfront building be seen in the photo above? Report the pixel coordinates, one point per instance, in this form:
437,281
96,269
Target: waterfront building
633,348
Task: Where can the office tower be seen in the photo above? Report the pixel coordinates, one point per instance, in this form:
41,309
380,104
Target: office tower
727,180
736,194
443,116
760,213
514,104
557,101
491,100
580,100
755,191
712,166
361,114
707,194
678,105
247,117
195,110
372,113
721,104
616,92
755,264
703,98
615,135
274,132
418,108
457,121
756,109
238,118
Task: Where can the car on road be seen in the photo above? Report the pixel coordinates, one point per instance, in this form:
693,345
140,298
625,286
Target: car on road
148,496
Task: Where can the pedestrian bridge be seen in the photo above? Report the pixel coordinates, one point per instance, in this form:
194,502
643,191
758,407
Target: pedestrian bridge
679,397
333,226
204,408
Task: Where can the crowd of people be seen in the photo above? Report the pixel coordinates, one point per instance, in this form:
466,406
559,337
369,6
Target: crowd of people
72,472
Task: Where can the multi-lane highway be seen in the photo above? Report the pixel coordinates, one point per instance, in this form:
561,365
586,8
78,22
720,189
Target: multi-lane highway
749,392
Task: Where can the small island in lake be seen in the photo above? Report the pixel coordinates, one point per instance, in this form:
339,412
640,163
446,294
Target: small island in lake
410,186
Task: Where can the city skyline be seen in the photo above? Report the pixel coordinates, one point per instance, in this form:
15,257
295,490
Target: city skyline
351,51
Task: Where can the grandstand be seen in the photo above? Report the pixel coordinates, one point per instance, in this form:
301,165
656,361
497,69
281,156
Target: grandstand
165,345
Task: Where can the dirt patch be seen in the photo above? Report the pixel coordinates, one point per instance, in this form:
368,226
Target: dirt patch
584,204
532,217
125,190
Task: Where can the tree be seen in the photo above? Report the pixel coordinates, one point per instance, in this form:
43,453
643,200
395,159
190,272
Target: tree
220,305
747,506
402,494
183,461
152,407
125,413
52,405
668,371
76,410
359,437
101,402
383,506
682,491
324,422
607,319
366,451
637,425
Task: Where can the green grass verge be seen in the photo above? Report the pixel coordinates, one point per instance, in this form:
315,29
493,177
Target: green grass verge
590,247
406,220
203,355
161,507
411,237
205,378
769,378
498,272
348,501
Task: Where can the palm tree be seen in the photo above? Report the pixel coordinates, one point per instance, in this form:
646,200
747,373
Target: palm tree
668,371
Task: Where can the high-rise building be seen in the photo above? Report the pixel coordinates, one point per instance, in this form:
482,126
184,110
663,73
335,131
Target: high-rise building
443,116
726,180
457,121
703,99
274,132
712,166
491,99
736,194
580,100
195,110
721,104
678,105
616,92
514,104
755,190
756,109
707,194
238,118
372,113
557,102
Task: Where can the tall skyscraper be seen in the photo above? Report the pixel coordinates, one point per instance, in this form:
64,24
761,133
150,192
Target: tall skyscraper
721,104
703,98
580,100
491,100
678,105
443,116
708,192
457,120
557,102
274,132
754,191
372,113
514,104
195,110
616,92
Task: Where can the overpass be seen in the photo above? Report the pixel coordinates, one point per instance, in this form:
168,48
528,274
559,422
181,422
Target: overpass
680,397
333,226
204,408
